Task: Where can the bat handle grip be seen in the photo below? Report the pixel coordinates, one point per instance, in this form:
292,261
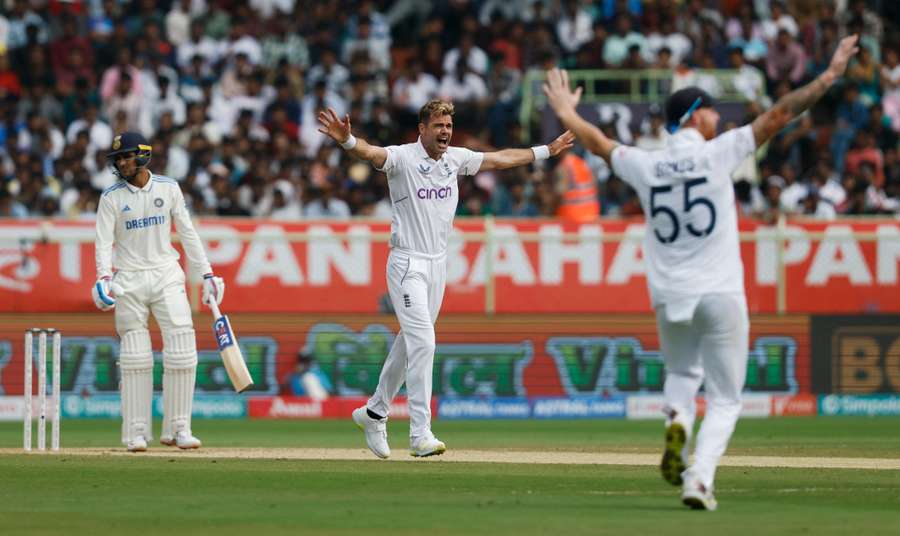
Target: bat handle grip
214,307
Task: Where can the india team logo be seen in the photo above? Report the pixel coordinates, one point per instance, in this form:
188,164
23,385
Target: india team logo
158,202
117,142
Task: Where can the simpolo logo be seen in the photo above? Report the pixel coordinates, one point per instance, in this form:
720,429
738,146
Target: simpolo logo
435,193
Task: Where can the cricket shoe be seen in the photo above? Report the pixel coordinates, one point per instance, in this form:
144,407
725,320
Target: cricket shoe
697,495
426,445
375,430
673,457
183,439
136,444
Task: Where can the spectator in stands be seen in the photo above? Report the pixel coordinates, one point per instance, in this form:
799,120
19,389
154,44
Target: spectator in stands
816,207
615,49
378,49
823,179
780,21
21,17
285,203
771,206
590,55
793,190
307,379
852,116
866,151
125,98
655,134
870,21
323,205
198,45
864,72
329,71
633,60
61,49
321,99
512,197
890,83
824,47
786,60
749,81
283,45
678,44
464,86
573,28
10,86
503,85
57,67
100,135
412,90
9,207
473,57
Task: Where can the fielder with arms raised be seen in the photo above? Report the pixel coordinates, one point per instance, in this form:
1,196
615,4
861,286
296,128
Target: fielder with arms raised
135,215
694,270
424,193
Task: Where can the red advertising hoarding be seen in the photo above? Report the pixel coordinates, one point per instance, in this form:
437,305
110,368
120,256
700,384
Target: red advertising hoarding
269,267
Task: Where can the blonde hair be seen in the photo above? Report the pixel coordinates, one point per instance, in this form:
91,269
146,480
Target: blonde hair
435,107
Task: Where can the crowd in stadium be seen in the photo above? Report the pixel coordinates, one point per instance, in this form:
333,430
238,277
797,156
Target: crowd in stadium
227,92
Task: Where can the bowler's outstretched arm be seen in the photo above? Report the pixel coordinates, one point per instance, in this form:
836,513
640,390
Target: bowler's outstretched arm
339,130
798,101
563,101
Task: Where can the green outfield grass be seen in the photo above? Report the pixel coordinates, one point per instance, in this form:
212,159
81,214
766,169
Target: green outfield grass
123,495
804,436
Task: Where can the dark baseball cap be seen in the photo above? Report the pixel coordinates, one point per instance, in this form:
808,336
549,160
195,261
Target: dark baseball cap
681,104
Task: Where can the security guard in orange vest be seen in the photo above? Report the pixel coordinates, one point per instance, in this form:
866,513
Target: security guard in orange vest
579,201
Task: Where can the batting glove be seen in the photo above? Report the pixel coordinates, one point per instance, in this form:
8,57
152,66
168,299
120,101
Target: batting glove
104,292
213,287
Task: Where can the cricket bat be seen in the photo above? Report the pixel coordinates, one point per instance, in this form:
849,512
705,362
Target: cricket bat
229,350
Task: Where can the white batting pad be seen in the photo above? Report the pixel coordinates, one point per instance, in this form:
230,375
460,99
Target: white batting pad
136,385
179,375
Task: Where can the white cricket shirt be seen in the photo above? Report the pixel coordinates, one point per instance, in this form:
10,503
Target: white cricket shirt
424,194
691,244
139,222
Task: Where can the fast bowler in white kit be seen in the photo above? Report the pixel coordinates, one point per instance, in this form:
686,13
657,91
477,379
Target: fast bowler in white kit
135,215
424,194
692,253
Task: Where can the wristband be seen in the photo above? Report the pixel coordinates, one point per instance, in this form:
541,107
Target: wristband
541,152
350,143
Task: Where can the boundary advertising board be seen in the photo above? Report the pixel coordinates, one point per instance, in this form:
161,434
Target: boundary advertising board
340,267
569,356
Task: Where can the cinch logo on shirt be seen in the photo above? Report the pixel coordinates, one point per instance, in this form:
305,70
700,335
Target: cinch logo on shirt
140,223
434,193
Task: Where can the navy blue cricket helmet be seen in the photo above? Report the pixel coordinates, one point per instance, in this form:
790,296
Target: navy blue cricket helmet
130,142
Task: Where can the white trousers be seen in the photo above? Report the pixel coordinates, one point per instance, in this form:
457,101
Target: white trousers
160,291
711,348
416,286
